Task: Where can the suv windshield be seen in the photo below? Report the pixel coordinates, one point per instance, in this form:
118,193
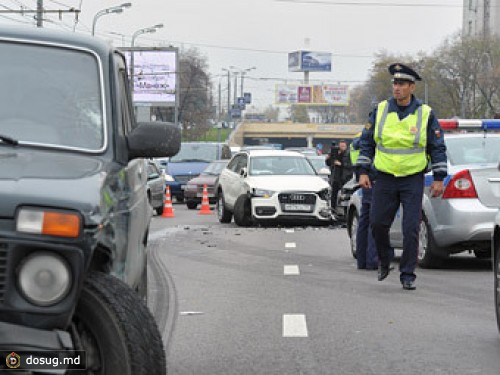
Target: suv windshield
196,152
59,103
280,165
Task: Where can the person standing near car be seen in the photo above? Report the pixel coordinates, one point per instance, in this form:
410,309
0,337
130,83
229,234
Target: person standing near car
366,251
340,165
402,134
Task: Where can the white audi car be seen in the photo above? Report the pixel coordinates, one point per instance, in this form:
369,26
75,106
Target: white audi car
271,185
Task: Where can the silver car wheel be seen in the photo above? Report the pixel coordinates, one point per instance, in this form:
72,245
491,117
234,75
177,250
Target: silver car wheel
423,241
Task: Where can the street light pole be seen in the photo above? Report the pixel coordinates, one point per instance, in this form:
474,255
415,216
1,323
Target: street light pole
116,9
242,72
145,30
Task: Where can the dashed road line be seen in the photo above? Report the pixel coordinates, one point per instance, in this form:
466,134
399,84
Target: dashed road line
289,245
294,325
291,270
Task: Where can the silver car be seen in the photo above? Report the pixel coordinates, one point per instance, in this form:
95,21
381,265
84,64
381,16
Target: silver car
495,246
462,218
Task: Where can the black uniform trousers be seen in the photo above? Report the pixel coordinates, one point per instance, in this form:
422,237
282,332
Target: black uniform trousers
388,193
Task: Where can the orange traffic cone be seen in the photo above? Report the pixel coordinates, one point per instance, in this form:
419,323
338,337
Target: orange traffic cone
205,208
167,207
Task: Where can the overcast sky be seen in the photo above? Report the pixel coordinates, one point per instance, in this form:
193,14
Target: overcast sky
260,33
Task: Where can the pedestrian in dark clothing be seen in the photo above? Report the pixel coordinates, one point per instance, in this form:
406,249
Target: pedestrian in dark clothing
366,249
402,134
340,165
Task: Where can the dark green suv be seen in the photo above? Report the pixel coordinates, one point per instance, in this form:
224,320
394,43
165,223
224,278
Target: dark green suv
74,212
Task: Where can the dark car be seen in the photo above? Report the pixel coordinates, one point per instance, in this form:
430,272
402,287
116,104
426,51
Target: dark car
73,204
155,186
193,192
191,160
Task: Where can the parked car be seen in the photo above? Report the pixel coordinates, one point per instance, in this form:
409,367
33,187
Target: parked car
191,160
271,185
495,247
462,218
155,186
318,162
73,203
193,192
307,151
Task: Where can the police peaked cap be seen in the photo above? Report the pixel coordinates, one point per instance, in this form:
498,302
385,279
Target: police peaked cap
402,72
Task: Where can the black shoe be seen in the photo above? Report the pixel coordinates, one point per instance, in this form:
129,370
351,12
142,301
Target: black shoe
408,285
383,272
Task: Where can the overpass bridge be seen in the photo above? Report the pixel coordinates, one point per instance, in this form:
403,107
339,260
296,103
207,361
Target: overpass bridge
292,134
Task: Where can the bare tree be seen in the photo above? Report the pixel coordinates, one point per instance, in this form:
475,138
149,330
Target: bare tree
196,102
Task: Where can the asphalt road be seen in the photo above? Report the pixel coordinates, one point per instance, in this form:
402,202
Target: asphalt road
275,300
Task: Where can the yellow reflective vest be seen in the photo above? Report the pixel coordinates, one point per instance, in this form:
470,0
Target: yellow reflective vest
401,144
354,154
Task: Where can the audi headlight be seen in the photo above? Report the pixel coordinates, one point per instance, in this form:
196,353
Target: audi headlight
262,193
325,194
52,223
44,278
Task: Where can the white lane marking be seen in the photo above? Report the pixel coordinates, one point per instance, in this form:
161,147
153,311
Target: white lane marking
289,231
291,270
290,244
294,325
191,313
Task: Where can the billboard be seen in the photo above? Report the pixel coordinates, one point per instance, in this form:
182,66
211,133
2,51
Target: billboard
154,75
309,61
336,95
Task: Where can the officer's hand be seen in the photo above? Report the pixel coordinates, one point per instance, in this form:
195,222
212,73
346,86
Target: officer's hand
437,188
364,181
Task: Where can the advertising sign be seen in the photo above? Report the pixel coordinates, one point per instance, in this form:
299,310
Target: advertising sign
286,94
241,102
248,97
309,61
335,95
294,61
154,75
316,61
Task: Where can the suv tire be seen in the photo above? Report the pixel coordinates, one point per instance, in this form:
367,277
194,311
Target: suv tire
116,329
243,211
223,214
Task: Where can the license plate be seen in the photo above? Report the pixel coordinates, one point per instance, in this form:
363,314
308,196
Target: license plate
200,195
183,187
297,207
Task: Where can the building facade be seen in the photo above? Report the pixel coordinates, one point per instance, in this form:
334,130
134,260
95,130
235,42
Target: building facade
481,18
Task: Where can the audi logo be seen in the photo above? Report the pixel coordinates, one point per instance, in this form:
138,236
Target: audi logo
298,197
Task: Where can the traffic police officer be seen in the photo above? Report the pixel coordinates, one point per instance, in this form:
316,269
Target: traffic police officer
402,134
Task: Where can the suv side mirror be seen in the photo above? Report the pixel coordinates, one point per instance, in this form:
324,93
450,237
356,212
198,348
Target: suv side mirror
243,172
153,139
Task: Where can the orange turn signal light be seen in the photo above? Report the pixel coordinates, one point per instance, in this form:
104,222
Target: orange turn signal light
61,224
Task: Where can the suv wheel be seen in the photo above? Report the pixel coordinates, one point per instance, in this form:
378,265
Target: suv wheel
223,214
429,254
116,329
243,211
353,232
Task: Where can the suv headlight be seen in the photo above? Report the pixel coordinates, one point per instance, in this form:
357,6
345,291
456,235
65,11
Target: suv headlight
48,222
262,193
169,178
44,278
325,194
